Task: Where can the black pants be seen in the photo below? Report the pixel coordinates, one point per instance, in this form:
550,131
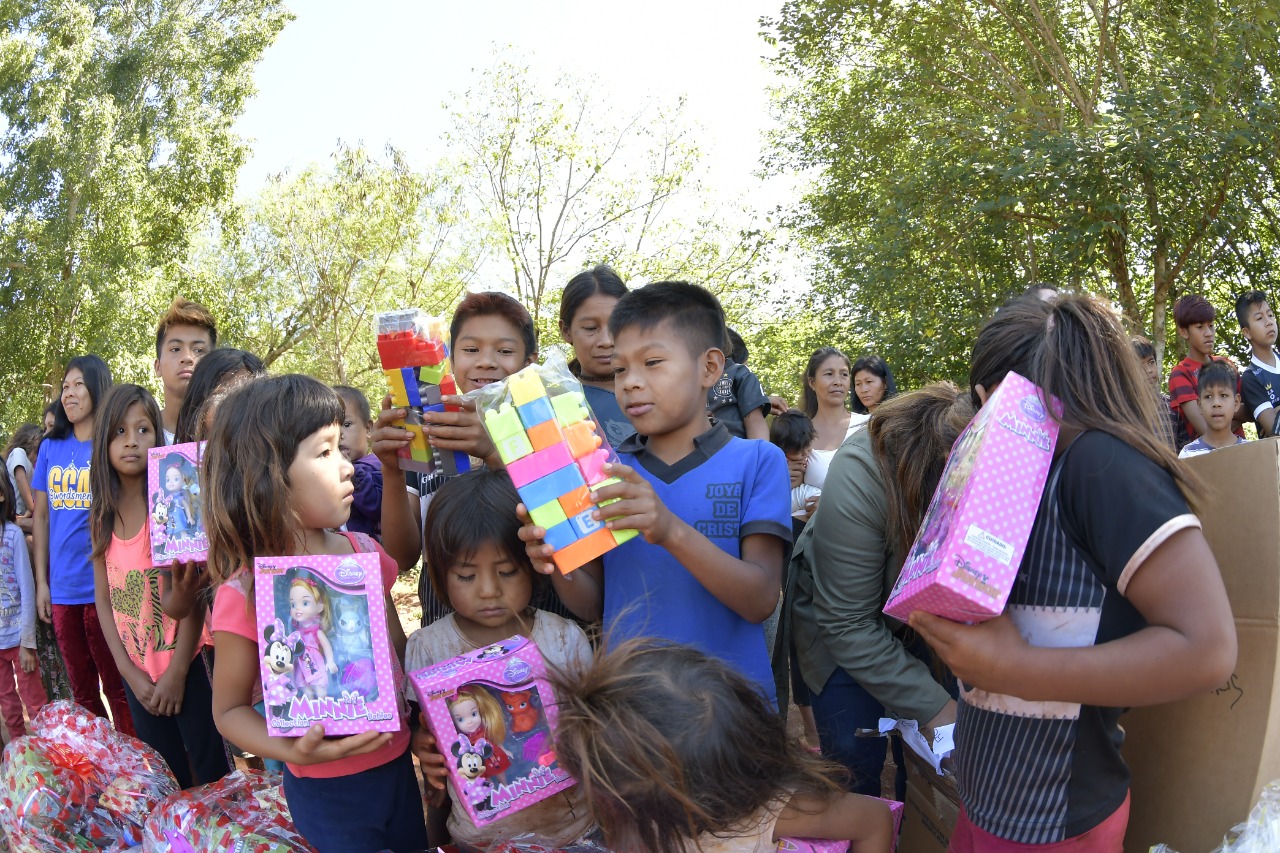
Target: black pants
374,810
189,732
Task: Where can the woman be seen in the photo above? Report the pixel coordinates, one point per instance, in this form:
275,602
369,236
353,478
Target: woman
826,395
585,307
872,383
855,661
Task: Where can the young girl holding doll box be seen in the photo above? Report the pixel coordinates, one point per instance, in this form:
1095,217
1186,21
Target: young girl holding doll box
276,484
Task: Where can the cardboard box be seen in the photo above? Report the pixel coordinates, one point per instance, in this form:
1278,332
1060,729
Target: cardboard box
932,807
1199,765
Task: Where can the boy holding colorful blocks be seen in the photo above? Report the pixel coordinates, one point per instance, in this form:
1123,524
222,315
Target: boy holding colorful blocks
714,510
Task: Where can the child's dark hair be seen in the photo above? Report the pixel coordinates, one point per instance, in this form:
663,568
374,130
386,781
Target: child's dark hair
792,431
877,365
1193,309
1218,374
466,513
245,479
811,370
211,372
492,303
97,380
694,312
28,438
184,312
1142,347
1246,302
600,279
669,743
104,482
9,509
740,352
355,398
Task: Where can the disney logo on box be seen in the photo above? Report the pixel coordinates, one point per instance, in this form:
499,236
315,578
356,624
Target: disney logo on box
1033,408
349,572
516,672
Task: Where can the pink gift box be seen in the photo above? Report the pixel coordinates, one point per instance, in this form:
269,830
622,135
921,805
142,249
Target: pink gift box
493,714
173,504
325,654
817,845
967,553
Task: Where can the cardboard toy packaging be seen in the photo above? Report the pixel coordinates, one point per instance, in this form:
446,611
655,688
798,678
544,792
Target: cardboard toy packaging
173,503
967,553
493,714
814,845
1199,765
932,808
325,653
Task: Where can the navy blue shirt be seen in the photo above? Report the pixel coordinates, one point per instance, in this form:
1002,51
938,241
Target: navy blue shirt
604,405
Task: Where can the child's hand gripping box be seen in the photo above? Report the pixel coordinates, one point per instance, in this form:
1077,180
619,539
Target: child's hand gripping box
542,427
967,553
173,502
415,362
493,714
325,653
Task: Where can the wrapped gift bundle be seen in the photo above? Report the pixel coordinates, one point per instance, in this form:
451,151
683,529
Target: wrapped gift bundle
173,499
245,808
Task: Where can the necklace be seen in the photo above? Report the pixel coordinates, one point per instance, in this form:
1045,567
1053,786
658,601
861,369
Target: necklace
587,377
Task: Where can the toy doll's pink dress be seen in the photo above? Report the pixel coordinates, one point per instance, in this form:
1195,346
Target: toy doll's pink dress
309,669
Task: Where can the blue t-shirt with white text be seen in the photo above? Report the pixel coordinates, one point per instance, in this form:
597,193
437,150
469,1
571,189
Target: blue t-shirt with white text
62,470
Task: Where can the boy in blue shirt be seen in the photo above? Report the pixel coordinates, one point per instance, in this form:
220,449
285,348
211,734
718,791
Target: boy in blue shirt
714,511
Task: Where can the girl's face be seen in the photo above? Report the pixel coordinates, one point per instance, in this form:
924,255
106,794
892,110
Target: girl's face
489,591
303,604
830,382
320,487
48,422
466,715
588,333
130,441
354,438
869,387
76,401
172,478
488,348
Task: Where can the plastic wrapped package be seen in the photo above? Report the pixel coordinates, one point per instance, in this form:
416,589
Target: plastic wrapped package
245,808
1260,833
75,783
537,844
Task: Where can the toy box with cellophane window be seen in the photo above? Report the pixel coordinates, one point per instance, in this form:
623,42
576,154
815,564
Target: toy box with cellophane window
174,505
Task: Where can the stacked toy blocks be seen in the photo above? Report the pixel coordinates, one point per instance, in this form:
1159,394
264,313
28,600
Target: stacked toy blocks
543,430
415,362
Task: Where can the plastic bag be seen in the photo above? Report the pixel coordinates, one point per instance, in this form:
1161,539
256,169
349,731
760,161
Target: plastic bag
537,844
75,783
1260,833
246,807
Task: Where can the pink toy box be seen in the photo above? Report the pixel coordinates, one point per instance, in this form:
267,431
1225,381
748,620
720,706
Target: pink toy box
814,845
173,499
967,553
493,715
322,633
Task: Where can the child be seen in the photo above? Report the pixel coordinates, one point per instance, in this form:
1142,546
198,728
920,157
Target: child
1218,402
477,566
1194,317
714,510
1260,384
1146,353
276,484
17,461
1119,601
585,306
737,400
165,680
730,777
366,506
184,334
17,623
792,433
220,369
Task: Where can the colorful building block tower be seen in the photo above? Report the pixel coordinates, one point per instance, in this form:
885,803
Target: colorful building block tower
555,457
415,362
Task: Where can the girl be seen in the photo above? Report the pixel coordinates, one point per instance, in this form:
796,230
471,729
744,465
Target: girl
872,384
478,567
165,680
17,461
366,507
585,306
217,369
276,484
17,623
1118,600
673,749
63,562
826,391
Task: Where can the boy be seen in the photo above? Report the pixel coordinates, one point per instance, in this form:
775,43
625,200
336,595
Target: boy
1194,317
1146,353
713,510
366,503
185,333
792,432
1219,400
737,400
1260,384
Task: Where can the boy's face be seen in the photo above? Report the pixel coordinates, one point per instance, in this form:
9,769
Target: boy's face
181,348
798,464
661,386
1199,337
1260,325
354,442
1218,403
488,349
1153,370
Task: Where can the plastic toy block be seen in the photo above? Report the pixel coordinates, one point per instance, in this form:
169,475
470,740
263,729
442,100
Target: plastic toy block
421,455
538,465
417,440
438,407
429,394
577,553
409,379
545,434
405,349
584,524
581,438
548,515
535,412
570,407
551,486
577,501
395,385
621,536
433,373
592,466
453,462
390,322
526,386
503,423
449,386
513,447
560,536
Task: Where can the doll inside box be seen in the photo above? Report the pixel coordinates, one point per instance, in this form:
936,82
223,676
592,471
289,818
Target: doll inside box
175,504
501,735
946,500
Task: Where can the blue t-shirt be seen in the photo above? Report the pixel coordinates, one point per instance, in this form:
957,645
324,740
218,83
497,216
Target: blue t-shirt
62,470
604,405
726,489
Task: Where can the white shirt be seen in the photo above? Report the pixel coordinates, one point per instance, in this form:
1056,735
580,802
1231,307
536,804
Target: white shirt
820,460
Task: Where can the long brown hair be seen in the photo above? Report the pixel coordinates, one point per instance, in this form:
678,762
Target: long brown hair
911,436
668,744
104,482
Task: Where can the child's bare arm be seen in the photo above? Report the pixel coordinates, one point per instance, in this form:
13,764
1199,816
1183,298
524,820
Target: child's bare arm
401,531
171,686
1195,417
20,474
864,821
395,630
1266,420
582,591
1188,646
755,425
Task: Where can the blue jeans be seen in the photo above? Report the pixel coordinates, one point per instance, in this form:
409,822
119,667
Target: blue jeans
841,708
366,812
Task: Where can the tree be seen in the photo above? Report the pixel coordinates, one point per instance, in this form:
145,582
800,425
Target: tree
117,145
966,149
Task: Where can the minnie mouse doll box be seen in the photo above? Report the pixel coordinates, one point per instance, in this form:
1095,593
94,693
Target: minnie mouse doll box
325,653
967,553
173,502
493,714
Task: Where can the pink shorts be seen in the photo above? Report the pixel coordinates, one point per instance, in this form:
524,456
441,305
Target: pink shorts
1106,837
